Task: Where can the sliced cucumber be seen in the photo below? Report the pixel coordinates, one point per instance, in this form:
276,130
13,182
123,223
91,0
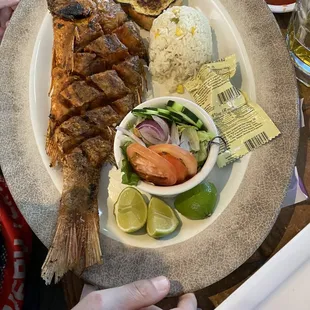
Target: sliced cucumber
185,113
188,118
174,112
176,117
163,111
145,112
176,106
150,109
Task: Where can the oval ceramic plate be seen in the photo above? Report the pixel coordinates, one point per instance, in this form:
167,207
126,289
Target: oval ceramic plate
282,8
251,190
226,41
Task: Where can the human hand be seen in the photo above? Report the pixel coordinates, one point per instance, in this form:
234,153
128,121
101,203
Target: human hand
7,8
140,295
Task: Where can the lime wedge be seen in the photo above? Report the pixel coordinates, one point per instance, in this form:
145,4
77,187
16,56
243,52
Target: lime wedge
161,219
197,203
130,210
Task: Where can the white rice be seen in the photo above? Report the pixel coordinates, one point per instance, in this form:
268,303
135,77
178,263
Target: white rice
180,42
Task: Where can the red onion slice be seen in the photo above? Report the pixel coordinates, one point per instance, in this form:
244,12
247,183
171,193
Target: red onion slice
150,136
154,127
130,135
164,126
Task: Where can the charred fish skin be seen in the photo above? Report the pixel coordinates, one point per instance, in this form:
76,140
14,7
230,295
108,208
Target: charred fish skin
71,10
97,78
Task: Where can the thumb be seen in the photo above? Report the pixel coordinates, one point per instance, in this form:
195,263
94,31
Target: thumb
7,3
131,296
136,295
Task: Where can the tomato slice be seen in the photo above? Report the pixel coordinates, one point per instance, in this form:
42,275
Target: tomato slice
186,157
150,166
181,169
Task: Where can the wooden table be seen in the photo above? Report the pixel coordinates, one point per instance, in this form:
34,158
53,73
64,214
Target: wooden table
290,221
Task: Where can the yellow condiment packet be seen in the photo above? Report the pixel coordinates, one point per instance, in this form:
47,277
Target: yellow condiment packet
225,67
242,123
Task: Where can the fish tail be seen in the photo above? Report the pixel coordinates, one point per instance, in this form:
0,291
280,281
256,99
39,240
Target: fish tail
76,246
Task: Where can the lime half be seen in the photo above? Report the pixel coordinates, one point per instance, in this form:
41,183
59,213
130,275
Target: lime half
130,210
161,220
197,203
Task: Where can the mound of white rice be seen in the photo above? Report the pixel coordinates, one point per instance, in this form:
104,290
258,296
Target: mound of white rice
180,42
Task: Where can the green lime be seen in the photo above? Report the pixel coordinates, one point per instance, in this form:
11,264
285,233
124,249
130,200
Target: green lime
161,219
197,203
130,210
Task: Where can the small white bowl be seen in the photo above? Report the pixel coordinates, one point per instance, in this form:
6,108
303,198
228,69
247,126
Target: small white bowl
285,8
170,191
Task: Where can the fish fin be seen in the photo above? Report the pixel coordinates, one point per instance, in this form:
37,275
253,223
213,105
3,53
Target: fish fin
111,160
52,78
50,147
76,246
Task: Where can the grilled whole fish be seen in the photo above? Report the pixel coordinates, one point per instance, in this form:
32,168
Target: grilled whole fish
97,78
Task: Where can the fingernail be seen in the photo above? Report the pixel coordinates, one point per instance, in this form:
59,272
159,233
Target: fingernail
161,283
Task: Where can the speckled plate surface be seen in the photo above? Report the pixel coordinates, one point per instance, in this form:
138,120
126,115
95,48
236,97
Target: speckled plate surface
221,247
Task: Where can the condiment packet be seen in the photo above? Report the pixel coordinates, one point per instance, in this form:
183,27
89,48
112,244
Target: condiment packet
242,123
225,67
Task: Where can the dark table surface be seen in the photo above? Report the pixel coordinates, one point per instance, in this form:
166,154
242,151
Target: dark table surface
290,221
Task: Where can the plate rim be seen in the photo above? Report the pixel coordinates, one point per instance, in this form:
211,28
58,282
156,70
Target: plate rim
245,224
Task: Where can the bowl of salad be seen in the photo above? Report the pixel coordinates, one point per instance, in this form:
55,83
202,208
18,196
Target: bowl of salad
166,146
